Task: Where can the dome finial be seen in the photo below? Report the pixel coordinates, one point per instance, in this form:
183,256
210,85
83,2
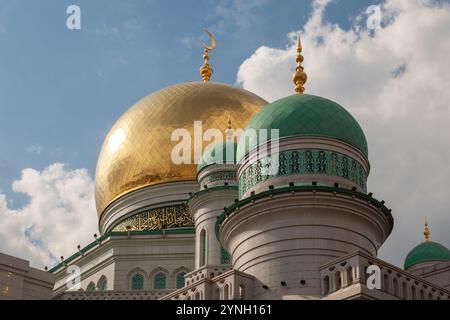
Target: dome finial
300,77
206,71
427,231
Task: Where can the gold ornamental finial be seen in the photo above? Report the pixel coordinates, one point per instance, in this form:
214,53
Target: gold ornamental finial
206,71
427,231
300,77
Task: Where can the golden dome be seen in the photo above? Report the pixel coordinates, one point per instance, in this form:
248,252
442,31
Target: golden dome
137,151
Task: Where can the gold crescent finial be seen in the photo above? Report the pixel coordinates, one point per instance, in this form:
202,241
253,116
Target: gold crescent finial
213,42
427,232
206,71
300,77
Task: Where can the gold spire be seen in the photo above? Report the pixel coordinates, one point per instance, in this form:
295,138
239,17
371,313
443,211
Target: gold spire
206,71
229,132
300,77
427,231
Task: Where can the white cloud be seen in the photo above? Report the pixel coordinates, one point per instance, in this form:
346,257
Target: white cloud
128,30
186,41
34,149
395,82
234,14
60,215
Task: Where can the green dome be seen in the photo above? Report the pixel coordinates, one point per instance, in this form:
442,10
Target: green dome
228,156
426,252
306,115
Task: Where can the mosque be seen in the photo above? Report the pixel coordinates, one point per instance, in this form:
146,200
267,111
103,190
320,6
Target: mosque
280,211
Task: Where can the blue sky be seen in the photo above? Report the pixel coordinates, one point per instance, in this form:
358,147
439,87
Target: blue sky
61,90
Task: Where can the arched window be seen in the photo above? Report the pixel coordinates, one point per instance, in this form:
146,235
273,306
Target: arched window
405,291
217,294
102,284
395,284
386,283
160,281
226,292
413,293
326,285
91,287
180,280
337,281
349,276
202,248
137,282
224,256
242,292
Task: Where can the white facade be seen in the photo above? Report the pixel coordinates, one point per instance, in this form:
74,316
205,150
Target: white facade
18,281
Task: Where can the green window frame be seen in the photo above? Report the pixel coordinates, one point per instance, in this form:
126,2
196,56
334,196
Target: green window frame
160,281
137,282
91,287
103,284
202,248
180,280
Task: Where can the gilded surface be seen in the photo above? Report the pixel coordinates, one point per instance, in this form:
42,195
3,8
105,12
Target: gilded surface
158,219
137,151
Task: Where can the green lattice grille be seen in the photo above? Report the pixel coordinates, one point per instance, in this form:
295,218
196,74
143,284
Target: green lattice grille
180,280
91,287
219,176
103,285
305,161
224,256
160,281
137,282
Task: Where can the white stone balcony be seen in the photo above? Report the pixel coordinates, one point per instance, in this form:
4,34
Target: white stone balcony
346,278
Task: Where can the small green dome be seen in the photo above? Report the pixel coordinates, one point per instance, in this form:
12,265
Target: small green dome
426,252
228,156
306,115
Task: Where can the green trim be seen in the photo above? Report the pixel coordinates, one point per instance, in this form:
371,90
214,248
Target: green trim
302,188
304,161
121,234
